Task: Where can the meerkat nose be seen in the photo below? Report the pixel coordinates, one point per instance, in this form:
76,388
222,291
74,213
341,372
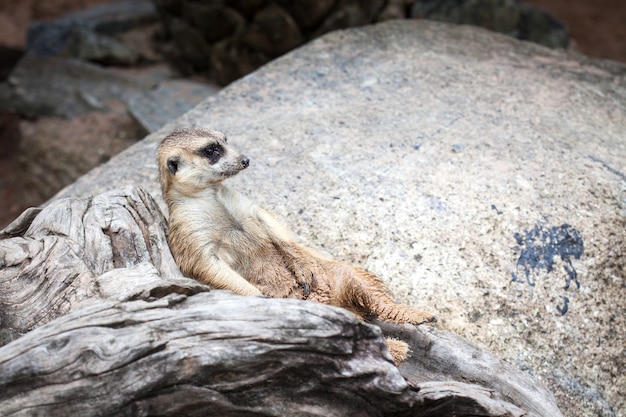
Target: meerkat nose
245,162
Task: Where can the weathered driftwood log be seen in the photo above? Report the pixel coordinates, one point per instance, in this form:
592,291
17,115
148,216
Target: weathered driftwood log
109,327
438,355
50,259
219,354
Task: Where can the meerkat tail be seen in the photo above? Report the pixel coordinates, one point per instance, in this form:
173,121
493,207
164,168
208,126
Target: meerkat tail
398,349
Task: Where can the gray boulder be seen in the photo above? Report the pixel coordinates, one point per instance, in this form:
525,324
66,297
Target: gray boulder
170,99
91,46
89,34
481,177
49,86
511,17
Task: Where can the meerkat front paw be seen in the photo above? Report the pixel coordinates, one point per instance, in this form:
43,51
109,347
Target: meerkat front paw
304,277
306,288
302,269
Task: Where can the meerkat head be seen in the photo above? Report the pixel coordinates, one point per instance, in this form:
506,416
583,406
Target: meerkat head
193,159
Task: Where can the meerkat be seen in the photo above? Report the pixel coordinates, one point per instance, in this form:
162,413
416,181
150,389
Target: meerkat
223,239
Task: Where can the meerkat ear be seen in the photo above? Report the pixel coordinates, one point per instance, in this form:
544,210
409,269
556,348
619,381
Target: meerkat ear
172,164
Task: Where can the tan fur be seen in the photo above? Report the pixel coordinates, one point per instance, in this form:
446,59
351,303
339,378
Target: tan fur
221,238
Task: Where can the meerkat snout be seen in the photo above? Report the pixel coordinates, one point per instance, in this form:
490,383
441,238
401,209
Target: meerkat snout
245,162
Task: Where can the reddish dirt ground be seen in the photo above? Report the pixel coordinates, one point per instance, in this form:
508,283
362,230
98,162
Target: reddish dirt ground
15,16
597,28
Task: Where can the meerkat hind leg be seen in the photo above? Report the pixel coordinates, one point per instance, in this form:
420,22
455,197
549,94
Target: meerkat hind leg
365,293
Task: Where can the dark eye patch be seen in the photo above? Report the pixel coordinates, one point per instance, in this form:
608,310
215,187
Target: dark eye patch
213,152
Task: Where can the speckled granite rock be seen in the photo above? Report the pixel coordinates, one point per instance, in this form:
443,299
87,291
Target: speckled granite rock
483,178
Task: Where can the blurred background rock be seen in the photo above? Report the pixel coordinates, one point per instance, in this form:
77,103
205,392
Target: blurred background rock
239,37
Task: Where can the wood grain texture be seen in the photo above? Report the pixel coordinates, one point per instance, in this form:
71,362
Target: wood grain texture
436,355
105,325
50,259
219,353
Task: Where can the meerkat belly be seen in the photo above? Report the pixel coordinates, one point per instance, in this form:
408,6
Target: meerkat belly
257,259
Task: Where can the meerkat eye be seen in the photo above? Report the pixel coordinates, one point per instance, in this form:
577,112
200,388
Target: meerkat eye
172,165
210,150
213,152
